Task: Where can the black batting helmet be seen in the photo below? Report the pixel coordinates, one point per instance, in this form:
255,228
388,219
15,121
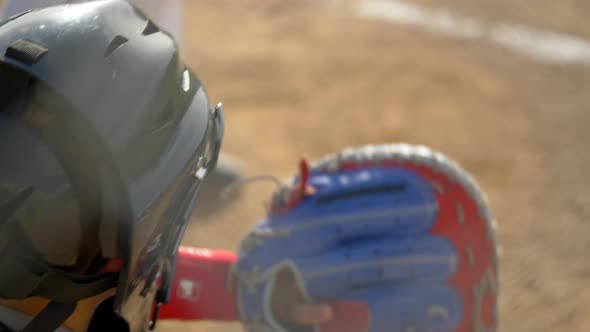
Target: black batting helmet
105,138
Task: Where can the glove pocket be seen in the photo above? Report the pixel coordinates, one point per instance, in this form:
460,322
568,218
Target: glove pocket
266,298
407,307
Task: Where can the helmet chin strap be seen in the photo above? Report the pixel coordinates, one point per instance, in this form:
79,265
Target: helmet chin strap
54,314
36,277
51,317
64,288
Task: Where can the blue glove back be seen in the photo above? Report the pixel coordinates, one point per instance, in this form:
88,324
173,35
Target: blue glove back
399,229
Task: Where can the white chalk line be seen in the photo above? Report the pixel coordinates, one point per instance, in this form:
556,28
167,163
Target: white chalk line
542,45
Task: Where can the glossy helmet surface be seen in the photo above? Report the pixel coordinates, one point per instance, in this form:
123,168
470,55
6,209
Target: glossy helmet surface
105,138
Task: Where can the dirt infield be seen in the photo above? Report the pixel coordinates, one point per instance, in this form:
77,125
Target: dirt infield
300,78
304,77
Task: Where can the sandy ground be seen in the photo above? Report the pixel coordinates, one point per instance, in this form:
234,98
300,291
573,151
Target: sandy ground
297,78
300,78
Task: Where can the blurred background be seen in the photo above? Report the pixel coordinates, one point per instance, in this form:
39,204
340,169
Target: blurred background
502,86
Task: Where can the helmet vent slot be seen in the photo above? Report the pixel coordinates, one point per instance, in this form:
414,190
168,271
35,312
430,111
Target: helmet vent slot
117,42
150,28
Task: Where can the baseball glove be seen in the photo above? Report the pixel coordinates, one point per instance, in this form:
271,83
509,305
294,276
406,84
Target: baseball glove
398,231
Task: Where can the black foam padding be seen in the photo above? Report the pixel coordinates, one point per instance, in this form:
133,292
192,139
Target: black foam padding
26,51
4,328
13,82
